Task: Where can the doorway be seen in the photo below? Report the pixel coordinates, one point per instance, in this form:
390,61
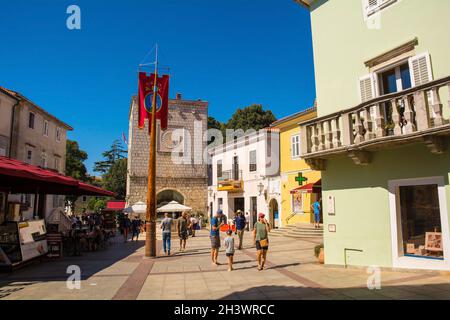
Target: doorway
239,204
419,224
274,214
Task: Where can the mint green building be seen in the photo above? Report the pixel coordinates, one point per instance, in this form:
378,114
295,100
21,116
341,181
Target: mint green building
382,135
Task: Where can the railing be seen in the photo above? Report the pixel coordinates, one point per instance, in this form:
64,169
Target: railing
231,181
230,175
404,113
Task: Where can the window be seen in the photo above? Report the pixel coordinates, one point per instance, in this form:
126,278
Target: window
252,156
58,134
295,146
44,159
84,198
373,6
219,169
220,204
31,120
297,202
57,163
46,128
29,158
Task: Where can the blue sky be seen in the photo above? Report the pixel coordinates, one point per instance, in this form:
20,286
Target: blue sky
231,53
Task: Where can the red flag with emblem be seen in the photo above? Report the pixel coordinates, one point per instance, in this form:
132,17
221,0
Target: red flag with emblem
145,99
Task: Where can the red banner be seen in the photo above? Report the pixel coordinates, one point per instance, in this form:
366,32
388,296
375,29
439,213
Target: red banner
145,99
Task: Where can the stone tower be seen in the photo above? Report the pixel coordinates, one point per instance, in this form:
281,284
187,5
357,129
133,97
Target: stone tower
181,172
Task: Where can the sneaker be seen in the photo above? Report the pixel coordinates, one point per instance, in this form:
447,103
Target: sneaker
168,253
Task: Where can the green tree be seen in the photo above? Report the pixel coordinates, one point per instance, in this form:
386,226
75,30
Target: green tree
75,158
96,204
252,117
115,179
116,152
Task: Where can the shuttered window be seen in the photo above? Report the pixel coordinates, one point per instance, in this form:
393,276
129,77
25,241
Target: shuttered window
372,6
295,146
367,88
420,68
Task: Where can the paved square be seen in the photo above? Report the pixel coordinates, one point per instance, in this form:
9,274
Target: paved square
121,273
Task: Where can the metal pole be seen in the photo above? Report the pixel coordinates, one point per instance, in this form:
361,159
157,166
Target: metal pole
150,241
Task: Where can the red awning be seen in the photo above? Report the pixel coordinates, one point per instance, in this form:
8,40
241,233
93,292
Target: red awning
116,205
20,177
309,188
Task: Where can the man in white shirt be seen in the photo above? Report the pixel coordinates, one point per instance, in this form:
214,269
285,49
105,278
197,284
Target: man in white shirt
247,221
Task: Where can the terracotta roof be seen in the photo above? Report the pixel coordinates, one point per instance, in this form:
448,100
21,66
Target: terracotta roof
19,96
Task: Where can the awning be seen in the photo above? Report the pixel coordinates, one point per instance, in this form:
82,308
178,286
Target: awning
115,205
309,188
20,177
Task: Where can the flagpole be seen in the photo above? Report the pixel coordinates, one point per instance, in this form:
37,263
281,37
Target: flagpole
150,240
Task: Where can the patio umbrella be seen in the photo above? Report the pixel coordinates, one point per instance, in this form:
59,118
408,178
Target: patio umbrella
174,207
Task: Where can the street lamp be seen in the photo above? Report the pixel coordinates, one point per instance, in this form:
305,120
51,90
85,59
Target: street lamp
260,188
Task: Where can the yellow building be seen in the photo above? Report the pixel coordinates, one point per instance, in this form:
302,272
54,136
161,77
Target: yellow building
300,186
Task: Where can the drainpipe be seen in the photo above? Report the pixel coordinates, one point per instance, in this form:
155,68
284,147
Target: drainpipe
11,134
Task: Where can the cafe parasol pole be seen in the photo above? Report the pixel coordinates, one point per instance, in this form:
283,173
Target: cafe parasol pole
150,240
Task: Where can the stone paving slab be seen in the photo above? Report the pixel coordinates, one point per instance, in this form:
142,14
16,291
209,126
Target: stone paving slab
292,273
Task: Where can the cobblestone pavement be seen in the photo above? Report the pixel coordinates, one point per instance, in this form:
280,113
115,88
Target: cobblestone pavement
121,273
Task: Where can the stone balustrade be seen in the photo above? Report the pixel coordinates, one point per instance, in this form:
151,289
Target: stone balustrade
407,114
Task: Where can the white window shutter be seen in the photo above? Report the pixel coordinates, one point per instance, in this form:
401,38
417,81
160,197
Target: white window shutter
420,69
367,87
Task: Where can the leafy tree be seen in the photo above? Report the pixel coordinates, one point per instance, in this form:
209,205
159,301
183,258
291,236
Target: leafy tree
115,179
214,124
75,168
75,158
96,205
252,117
116,152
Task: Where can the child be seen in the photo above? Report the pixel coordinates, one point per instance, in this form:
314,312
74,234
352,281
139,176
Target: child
229,246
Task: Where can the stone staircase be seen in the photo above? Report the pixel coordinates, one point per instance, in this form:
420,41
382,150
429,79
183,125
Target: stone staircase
298,231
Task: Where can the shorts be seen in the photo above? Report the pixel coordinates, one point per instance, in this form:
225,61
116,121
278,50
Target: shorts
183,235
258,246
215,242
229,254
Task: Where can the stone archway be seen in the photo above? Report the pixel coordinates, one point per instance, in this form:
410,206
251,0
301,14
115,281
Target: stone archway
274,213
169,195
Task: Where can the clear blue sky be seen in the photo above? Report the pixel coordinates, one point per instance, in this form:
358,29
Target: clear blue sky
231,53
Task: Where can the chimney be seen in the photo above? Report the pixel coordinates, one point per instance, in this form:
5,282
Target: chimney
179,96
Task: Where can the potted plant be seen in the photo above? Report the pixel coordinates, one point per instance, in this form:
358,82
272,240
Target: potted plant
320,253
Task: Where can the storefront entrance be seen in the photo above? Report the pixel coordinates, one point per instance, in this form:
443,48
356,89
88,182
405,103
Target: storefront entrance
420,223
274,214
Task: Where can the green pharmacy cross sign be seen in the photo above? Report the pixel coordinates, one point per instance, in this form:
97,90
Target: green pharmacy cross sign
300,179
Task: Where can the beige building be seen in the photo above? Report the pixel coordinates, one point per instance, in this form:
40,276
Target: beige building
181,172
30,134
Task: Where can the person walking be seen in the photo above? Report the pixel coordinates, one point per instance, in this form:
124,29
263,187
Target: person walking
247,221
166,226
261,238
229,246
215,236
194,223
316,209
135,228
126,224
182,229
240,228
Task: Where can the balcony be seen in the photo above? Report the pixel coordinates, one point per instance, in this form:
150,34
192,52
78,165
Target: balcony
410,116
230,181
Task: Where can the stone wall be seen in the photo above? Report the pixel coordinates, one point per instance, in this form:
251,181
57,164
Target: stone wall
185,173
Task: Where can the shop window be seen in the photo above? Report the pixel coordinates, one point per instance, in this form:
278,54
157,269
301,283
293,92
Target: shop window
297,203
421,221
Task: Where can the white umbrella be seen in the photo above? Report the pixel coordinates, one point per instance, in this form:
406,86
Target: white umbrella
174,207
138,209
